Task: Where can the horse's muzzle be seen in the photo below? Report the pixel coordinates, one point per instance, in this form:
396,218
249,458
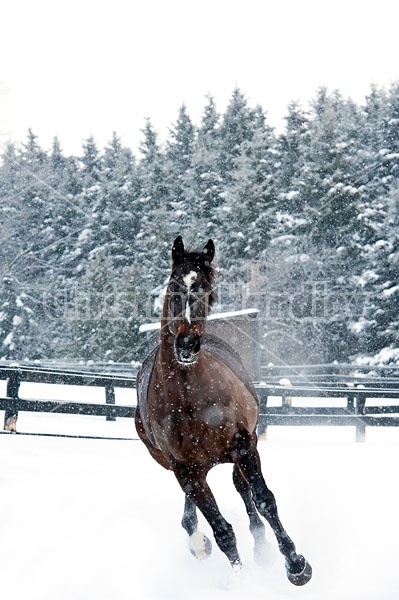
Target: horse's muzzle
187,346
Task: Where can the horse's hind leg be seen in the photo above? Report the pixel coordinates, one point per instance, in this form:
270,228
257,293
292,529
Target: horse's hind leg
298,569
200,546
256,525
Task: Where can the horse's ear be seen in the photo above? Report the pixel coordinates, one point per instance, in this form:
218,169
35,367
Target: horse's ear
209,250
178,250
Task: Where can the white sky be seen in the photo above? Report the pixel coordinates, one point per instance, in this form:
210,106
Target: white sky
80,67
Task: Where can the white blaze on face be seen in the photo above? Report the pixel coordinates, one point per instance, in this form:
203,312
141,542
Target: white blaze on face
188,282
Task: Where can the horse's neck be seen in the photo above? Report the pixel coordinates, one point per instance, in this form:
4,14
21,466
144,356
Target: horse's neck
165,332
165,347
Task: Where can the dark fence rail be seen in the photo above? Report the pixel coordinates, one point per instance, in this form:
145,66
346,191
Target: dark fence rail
76,366
353,413
327,371
362,395
15,375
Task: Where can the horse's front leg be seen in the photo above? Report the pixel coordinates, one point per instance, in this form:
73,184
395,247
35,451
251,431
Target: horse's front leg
194,484
200,545
298,569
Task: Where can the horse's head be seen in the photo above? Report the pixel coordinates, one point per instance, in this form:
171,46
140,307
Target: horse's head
189,297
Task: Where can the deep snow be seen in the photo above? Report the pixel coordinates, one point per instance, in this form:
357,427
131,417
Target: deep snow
98,519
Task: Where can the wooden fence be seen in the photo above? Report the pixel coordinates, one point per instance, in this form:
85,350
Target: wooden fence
288,396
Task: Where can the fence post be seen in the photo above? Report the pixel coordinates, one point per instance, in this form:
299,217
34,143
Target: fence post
350,405
110,399
257,347
11,413
286,398
262,422
359,411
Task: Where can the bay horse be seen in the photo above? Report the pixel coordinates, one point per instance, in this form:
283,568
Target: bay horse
197,408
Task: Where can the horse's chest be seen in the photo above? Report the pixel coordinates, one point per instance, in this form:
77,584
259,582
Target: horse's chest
192,418
191,407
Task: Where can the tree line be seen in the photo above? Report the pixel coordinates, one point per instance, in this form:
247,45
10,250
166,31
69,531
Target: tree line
305,223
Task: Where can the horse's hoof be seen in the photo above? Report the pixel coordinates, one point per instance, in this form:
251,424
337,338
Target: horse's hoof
200,546
303,576
237,566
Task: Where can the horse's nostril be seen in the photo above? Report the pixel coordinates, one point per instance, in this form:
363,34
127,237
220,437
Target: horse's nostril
190,342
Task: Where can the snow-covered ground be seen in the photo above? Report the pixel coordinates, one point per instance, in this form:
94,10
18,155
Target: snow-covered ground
97,519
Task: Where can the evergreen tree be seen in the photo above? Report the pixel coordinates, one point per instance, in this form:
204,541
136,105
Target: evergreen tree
207,181
34,203
293,147
134,307
63,213
8,311
117,211
208,132
153,240
88,200
180,145
10,201
18,327
250,204
91,162
152,171
378,327
331,196
179,164
92,316
237,126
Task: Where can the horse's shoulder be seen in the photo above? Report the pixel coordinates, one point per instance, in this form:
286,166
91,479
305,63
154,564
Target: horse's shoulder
144,374
218,346
224,352
143,382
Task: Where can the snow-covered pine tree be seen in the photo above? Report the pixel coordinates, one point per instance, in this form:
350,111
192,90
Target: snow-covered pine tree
293,144
88,198
237,126
179,168
153,239
251,195
378,327
19,330
117,211
331,195
10,214
207,182
91,318
133,307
